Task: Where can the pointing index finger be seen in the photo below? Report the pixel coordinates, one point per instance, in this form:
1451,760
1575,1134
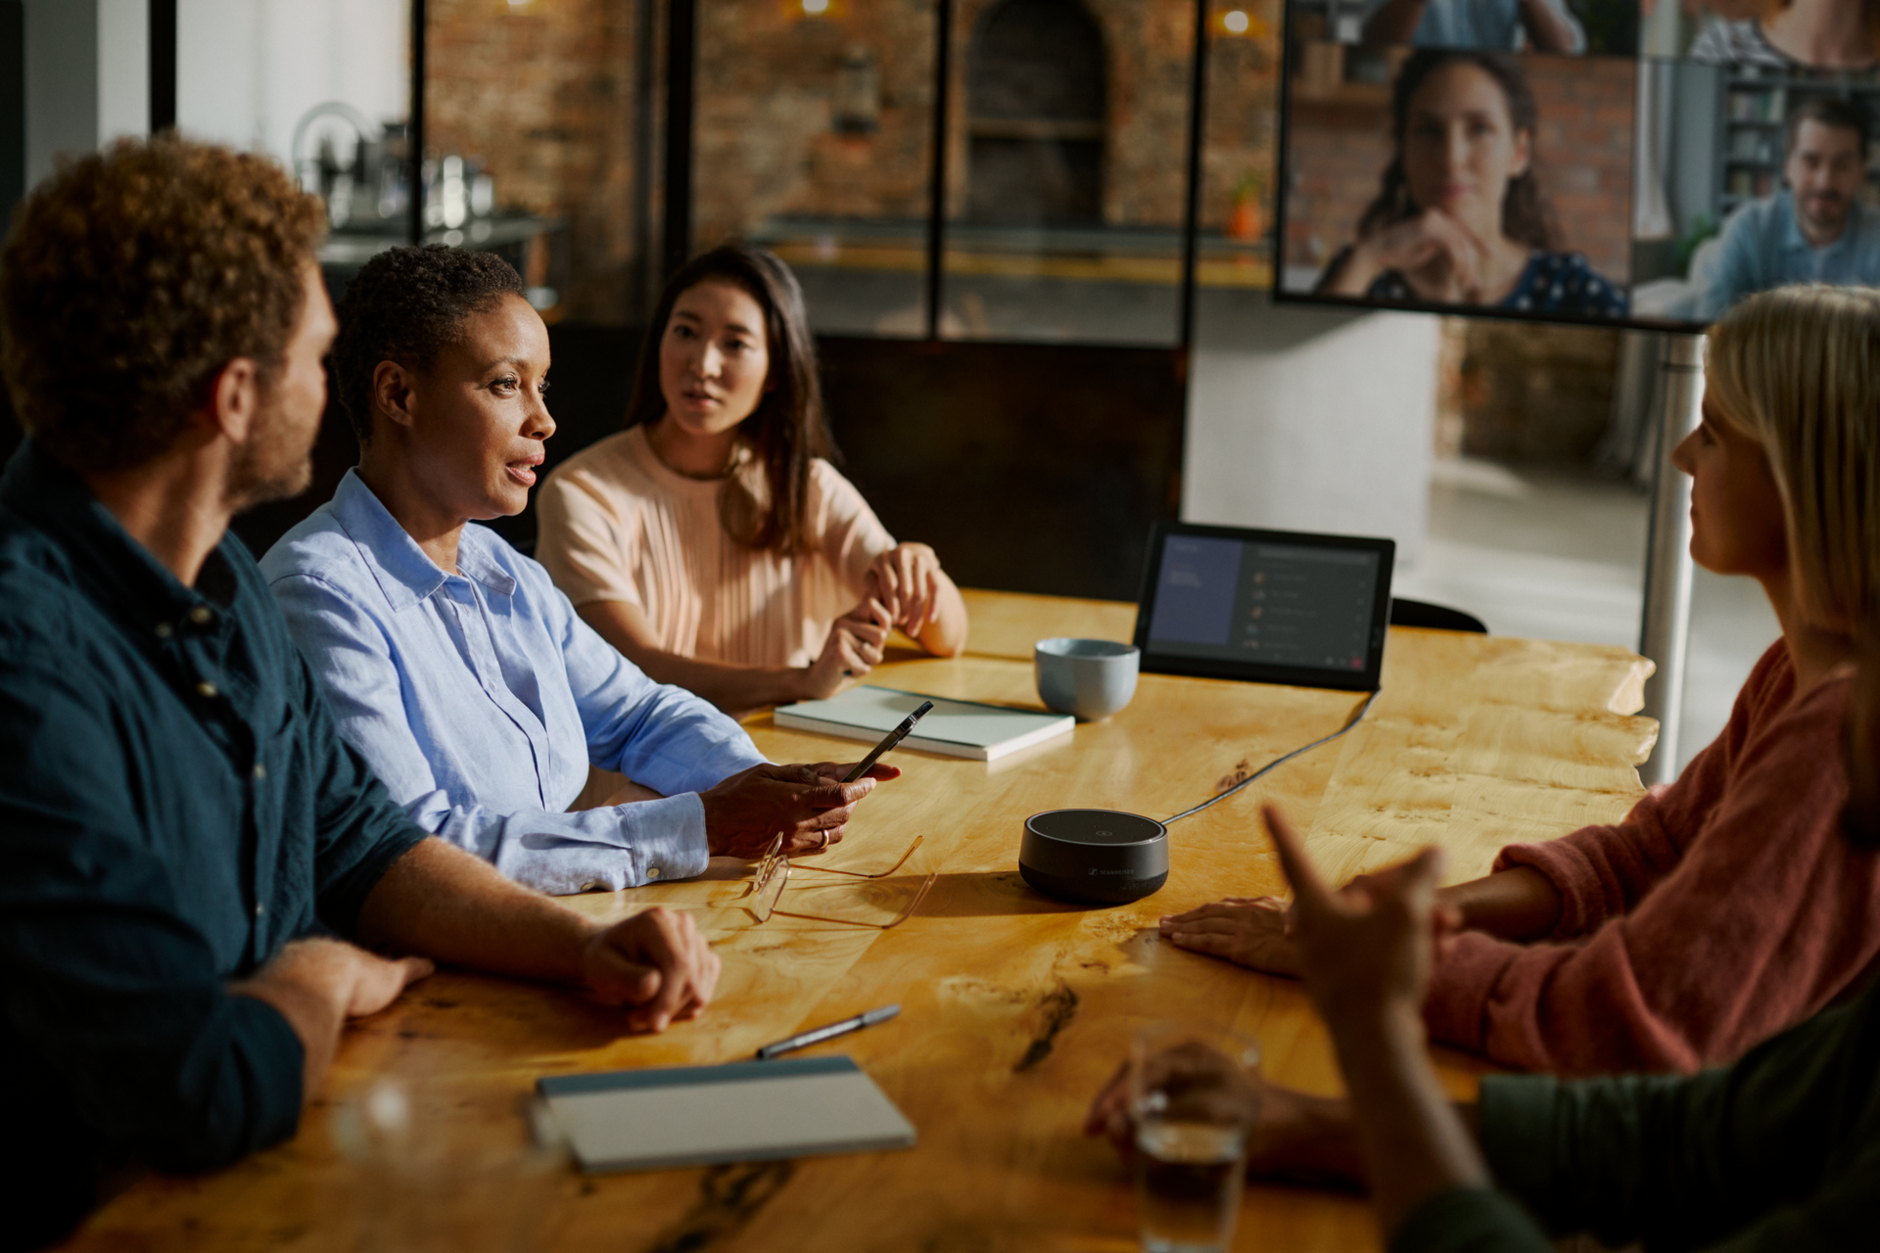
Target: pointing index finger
1308,889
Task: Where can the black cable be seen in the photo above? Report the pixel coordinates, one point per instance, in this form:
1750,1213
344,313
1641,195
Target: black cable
1277,762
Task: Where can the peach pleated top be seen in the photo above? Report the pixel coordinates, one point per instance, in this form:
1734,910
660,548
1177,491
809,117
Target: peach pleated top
617,524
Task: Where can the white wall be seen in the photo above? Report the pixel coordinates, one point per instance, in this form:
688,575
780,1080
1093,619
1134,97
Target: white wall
1307,419
123,68
87,77
247,70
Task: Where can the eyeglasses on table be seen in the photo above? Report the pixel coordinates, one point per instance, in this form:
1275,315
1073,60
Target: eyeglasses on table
773,872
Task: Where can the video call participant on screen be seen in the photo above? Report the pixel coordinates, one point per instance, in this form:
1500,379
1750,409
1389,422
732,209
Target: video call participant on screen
1494,25
193,864
712,542
453,665
1813,230
1839,35
1460,219
1725,907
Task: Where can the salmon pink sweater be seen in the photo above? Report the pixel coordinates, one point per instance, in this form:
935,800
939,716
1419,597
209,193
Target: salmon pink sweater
1723,909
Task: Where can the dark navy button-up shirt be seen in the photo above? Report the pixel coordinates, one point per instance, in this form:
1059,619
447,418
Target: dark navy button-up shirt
175,805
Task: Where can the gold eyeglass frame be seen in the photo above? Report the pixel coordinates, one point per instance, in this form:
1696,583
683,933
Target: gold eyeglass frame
776,862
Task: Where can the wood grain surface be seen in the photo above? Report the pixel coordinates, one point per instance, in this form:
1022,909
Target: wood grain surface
1015,1008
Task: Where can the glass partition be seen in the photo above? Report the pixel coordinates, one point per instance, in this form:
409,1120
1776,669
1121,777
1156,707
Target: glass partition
1234,248
1067,170
813,138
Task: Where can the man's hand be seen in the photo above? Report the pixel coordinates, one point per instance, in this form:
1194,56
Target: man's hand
656,962
809,805
852,649
1291,1136
316,984
1248,931
906,579
1369,948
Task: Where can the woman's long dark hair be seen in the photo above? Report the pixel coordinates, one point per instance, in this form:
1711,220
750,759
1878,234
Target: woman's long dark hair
763,506
1525,215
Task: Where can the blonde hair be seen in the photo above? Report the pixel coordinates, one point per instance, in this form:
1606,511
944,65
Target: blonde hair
1798,370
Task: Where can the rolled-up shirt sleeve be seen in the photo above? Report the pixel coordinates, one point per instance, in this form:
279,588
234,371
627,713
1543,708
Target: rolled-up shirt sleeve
662,737
106,980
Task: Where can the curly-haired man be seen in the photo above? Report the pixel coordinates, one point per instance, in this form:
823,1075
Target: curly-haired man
183,835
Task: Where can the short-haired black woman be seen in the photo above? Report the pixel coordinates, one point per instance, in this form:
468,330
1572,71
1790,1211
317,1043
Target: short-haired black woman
452,663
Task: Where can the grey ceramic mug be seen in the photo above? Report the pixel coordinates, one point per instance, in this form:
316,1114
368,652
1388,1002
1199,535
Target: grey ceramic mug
1091,679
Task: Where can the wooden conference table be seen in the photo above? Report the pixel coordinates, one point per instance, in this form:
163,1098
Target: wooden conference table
1015,1008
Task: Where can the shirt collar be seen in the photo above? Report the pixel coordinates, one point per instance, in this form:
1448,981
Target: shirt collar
1793,239
119,571
405,573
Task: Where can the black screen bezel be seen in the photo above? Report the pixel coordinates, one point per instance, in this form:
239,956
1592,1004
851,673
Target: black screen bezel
1365,680
1288,64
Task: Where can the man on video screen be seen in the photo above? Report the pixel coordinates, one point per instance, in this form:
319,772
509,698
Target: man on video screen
1814,230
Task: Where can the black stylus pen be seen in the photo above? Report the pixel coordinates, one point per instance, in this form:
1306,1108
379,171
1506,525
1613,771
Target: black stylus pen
889,741
816,1035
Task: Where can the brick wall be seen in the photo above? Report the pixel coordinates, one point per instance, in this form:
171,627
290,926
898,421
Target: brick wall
1243,109
1339,151
768,141
543,97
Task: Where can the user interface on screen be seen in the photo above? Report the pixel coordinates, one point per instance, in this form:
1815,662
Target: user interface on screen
1595,161
1275,604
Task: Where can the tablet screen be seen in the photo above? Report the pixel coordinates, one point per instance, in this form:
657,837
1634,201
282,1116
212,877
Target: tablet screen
1273,604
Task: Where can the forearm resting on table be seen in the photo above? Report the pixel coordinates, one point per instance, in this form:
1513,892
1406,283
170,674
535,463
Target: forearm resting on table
311,983
441,902
732,688
1516,904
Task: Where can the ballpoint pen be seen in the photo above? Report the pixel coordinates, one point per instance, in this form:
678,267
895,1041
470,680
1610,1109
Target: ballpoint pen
816,1035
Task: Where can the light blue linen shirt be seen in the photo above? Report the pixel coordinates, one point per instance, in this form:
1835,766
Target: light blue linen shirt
480,698
1492,24
1763,247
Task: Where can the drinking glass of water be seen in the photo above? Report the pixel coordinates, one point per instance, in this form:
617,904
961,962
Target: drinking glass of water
1193,1099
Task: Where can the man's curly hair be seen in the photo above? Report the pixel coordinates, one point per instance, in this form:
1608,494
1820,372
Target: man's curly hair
407,305
132,277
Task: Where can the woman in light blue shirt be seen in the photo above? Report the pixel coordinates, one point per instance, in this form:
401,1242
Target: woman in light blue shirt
452,664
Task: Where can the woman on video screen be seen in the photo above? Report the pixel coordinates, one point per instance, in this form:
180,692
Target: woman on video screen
1460,218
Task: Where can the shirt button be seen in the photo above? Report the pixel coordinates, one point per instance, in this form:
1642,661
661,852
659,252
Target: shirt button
652,872
261,771
206,690
260,909
593,885
199,615
165,630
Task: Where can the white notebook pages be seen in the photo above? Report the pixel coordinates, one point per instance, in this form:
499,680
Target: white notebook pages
958,728
740,1112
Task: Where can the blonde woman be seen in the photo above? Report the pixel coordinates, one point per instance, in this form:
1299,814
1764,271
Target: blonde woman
1725,907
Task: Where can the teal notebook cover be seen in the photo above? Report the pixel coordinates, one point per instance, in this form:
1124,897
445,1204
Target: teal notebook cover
958,728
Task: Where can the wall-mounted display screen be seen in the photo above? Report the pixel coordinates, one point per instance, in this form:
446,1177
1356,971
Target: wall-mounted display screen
1534,159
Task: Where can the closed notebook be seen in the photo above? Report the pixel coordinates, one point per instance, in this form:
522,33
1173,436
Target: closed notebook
740,1112
958,728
